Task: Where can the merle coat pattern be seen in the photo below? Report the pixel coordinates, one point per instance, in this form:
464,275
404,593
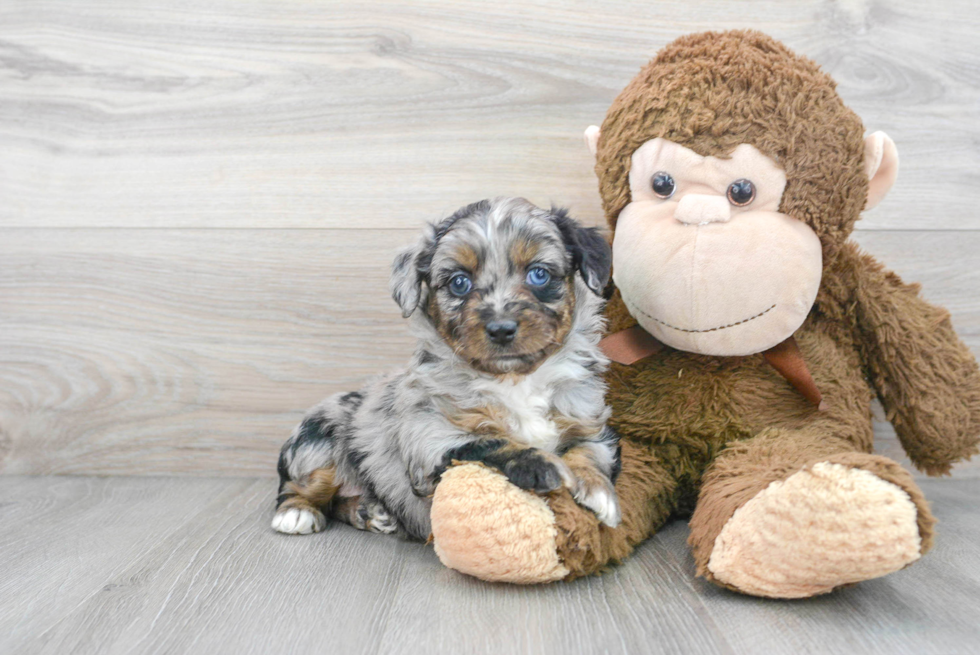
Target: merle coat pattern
504,298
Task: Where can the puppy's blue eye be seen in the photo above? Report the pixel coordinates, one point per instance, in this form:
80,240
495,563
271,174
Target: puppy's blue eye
538,277
460,285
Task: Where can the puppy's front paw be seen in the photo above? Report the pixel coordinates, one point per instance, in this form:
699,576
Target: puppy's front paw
602,500
537,471
294,520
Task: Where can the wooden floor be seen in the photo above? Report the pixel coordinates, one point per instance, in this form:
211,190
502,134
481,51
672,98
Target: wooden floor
178,565
199,202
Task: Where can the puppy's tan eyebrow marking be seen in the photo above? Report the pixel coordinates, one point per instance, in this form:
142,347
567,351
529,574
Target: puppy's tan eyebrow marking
523,251
467,257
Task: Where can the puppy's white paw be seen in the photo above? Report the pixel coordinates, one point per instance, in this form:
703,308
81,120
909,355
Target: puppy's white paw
603,502
298,521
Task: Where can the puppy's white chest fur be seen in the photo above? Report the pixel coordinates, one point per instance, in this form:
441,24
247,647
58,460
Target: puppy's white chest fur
528,403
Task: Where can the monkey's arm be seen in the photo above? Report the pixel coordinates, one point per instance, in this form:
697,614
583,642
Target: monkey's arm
486,527
924,375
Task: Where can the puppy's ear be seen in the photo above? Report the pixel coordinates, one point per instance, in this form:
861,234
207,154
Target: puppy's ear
590,252
408,272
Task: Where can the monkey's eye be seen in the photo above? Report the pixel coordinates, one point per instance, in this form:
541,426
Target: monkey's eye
663,184
538,277
741,192
460,285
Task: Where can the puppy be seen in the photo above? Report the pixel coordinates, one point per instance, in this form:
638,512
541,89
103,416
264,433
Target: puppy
505,300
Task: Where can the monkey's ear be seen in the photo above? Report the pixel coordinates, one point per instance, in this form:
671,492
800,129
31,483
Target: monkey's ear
407,273
590,251
592,138
881,165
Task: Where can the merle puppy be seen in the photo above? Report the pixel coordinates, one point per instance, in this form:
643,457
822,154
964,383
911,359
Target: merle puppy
505,300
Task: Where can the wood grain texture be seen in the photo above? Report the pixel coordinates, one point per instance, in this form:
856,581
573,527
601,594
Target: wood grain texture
165,565
243,113
196,351
198,206
139,351
199,202
66,542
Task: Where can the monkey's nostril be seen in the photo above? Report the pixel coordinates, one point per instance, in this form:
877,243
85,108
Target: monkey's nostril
501,332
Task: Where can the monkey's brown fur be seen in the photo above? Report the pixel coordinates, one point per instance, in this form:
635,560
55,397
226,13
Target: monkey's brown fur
711,92
722,429
706,434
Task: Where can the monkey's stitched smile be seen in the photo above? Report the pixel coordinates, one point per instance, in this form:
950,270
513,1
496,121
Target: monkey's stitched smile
633,310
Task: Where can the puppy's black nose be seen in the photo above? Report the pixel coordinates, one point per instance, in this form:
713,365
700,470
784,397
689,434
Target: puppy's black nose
501,332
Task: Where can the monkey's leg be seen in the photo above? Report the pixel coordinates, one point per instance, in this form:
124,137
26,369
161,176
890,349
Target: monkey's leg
488,528
646,500
795,513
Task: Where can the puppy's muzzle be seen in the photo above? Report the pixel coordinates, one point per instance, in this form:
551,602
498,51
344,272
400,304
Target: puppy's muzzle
501,332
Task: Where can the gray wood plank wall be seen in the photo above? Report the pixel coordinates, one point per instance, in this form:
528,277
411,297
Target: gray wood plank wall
199,201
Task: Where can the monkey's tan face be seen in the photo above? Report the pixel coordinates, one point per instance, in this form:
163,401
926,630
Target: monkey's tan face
702,257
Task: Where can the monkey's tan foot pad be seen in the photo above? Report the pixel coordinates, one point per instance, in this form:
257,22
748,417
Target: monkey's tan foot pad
819,529
484,526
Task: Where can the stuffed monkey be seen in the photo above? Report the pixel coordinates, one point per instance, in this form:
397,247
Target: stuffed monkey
751,337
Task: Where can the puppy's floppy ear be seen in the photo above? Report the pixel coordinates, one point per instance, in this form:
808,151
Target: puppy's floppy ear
408,272
590,252
412,266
